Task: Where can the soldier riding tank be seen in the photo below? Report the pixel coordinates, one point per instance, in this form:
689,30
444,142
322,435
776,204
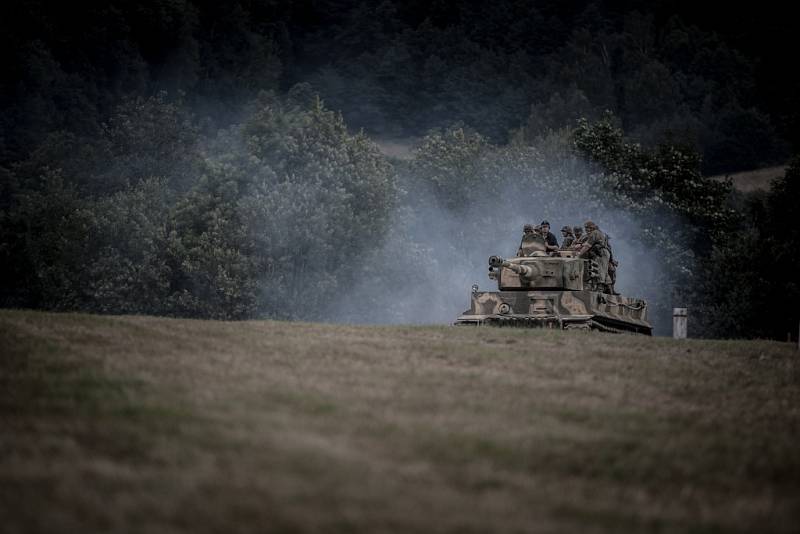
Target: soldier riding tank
560,291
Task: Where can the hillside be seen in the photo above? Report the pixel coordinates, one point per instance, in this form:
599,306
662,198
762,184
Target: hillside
135,424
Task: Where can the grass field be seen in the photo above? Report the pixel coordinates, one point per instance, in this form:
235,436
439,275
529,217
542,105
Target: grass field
141,424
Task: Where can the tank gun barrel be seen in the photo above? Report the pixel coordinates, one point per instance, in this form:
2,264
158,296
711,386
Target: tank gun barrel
496,262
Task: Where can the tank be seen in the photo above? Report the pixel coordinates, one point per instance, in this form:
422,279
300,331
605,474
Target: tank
557,290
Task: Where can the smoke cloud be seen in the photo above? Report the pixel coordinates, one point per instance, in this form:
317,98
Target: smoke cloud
423,272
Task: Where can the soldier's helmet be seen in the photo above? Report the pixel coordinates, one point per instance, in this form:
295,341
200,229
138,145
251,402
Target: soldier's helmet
527,228
589,225
567,229
577,229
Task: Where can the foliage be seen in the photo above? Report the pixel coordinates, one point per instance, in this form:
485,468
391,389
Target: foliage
44,241
452,163
214,273
729,260
668,177
323,198
125,260
149,137
400,68
270,224
753,267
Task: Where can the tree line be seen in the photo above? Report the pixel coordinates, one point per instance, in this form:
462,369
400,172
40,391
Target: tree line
284,212
398,69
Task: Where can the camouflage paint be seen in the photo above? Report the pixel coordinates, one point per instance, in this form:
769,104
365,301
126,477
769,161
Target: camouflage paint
554,292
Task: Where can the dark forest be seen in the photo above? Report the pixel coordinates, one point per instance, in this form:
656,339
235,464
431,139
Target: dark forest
228,159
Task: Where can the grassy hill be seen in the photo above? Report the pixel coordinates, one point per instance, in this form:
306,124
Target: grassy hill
142,424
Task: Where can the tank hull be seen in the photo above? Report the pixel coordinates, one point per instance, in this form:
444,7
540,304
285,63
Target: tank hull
567,310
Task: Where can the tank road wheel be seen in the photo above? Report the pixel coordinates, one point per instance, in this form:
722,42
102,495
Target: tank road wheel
584,327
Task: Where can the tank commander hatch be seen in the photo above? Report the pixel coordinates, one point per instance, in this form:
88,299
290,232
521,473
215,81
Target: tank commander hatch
533,243
526,231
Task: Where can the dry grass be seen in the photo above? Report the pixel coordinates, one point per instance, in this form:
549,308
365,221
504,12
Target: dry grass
134,424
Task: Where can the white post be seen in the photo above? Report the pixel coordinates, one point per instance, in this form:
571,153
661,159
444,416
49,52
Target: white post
679,323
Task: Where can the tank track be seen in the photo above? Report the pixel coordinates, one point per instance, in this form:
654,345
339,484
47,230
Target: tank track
552,323
527,322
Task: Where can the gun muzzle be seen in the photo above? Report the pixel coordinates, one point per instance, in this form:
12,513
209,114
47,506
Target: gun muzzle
496,261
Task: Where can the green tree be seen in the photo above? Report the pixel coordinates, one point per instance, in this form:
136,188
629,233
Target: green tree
451,163
686,218
288,202
45,242
125,267
148,137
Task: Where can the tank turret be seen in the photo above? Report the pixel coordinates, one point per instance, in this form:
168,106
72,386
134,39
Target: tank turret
540,272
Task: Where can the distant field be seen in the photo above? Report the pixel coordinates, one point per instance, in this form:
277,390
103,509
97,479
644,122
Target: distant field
397,148
141,424
758,179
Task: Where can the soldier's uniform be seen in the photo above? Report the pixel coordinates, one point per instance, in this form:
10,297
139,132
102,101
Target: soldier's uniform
579,235
526,230
549,237
568,237
532,241
612,267
597,243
